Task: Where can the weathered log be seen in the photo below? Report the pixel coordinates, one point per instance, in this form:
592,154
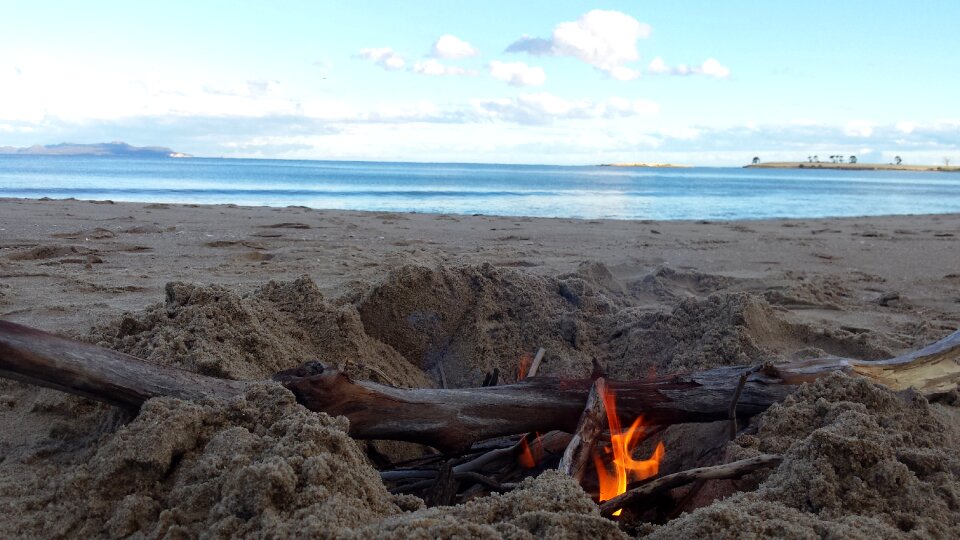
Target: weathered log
454,418
592,423
36,357
654,487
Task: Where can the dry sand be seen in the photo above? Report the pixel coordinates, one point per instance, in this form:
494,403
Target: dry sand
406,299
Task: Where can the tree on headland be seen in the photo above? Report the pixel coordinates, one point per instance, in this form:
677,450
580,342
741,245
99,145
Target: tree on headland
756,160
810,159
897,160
816,159
839,159
946,162
853,159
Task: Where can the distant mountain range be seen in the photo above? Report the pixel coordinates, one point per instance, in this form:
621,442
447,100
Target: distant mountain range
111,149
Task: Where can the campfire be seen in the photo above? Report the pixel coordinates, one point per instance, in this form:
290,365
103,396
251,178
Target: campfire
487,439
619,454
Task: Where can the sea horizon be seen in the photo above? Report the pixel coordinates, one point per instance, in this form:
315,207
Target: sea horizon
564,191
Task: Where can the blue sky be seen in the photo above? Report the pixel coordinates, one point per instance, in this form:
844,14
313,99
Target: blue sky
709,83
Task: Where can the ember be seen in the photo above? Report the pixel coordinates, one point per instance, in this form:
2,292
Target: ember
625,467
524,366
530,453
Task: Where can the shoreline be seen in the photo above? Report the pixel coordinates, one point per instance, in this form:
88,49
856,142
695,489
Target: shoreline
852,166
4,200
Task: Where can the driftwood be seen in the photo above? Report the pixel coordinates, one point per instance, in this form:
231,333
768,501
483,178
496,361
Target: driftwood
592,423
455,418
660,485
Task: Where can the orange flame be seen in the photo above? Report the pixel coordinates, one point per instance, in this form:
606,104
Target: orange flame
622,444
530,455
524,366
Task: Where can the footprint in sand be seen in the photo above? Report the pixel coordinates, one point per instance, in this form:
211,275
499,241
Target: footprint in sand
48,252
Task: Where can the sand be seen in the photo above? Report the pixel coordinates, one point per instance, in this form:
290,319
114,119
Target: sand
417,300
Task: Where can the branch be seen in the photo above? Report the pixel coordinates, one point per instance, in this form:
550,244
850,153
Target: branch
735,469
591,425
36,357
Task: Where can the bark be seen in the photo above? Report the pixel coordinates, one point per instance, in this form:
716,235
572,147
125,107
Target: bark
455,418
592,423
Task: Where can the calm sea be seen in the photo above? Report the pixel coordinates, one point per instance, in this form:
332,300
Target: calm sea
531,190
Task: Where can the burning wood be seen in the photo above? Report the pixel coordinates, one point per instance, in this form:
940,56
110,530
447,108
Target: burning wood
456,419
622,444
735,469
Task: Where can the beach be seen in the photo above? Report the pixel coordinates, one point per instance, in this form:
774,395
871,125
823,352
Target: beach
665,296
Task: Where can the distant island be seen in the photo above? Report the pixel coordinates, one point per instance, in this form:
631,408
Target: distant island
642,164
852,166
111,149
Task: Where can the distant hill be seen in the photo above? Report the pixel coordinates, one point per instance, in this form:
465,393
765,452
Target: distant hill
111,149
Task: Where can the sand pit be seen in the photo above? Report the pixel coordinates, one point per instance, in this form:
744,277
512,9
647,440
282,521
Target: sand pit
858,459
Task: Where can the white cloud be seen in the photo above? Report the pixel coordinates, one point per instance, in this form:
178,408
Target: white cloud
658,66
859,128
432,66
711,67
517,73
452,47
384,57
543,108
906,127
607,40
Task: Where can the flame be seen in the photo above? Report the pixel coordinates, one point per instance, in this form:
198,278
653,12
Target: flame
625,468
525,361
530,456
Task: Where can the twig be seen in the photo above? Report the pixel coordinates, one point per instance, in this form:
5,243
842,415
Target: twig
535,366
733,405
577,453
476,478
735,469
736,400
492,378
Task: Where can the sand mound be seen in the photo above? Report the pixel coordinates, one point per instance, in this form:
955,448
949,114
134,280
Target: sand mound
721,329
548,506
825,292
278,326
255,466
860,461
468,320
670,284
260,466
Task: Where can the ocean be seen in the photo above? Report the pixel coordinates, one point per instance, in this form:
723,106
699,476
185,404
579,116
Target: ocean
530,190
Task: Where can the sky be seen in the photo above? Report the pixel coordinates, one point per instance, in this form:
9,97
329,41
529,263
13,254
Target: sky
546,82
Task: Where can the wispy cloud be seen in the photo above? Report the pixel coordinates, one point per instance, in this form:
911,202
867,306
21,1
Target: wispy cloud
384,57
432,66
711,67
544,108
517,73
607,40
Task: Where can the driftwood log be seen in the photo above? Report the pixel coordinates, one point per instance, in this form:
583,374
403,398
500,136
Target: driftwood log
455,418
